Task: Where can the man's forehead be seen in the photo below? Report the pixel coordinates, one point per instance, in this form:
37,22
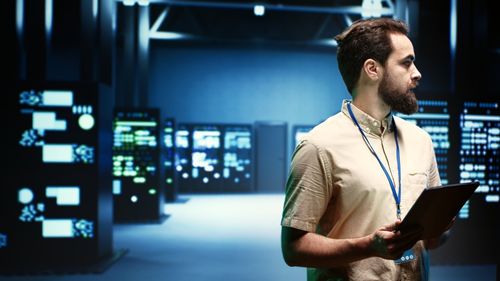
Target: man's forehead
402,46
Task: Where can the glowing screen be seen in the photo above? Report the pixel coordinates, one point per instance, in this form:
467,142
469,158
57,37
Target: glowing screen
479,149
466,140
237,155
183,155
51,199
214,157
136,187
169,159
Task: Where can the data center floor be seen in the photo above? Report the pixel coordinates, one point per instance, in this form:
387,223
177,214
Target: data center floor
217,237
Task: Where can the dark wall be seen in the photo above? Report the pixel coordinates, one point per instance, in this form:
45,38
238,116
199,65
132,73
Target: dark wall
431,40
478,52
474,72
245,83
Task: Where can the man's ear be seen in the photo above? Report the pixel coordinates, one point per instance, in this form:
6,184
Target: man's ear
372,69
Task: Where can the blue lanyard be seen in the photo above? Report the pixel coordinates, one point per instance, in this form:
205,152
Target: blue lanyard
396,195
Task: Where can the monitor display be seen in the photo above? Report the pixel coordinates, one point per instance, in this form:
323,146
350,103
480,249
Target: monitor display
214,157
479,148
199,157
237,156
206,164
136,186
54,208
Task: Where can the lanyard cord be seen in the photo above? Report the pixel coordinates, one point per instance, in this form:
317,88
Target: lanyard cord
396,195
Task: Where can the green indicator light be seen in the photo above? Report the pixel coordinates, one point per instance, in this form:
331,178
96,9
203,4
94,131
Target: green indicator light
169,180
152,191
139,180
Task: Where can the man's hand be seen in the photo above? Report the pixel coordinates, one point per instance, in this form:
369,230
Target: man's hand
390,244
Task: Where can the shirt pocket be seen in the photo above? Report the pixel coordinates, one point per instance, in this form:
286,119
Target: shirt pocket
416,182
418,178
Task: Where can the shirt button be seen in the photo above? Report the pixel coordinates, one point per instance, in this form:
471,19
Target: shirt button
375,123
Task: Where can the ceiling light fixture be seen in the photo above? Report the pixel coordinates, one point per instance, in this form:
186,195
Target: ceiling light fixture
259,10
128,2
371,9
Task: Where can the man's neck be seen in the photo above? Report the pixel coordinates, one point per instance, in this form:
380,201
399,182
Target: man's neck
374,107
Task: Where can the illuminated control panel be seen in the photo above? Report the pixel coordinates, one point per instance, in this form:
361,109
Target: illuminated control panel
199,159
137,191
183,154
56,170
169,159
434,118
479,150
237,156
206,164
214,157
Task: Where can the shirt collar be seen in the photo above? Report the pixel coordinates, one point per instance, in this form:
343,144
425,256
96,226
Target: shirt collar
368,124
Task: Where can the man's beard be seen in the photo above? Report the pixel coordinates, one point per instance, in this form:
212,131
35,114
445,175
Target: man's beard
404,102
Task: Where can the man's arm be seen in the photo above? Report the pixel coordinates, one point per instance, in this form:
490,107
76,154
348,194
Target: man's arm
301,248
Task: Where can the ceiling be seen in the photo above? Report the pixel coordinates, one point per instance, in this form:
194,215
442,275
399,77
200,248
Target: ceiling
313,21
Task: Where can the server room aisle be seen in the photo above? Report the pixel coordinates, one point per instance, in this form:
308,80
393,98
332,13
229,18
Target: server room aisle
210,237
213,238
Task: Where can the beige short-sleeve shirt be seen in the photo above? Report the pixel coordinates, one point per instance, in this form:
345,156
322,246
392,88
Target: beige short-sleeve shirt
337,188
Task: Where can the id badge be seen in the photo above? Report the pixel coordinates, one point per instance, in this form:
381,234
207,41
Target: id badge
408,255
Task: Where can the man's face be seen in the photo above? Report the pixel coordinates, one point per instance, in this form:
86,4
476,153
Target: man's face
400,77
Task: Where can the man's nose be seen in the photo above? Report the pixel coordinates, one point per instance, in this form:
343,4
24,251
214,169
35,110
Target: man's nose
416,76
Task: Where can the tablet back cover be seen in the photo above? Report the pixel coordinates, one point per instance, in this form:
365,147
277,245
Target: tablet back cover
436,207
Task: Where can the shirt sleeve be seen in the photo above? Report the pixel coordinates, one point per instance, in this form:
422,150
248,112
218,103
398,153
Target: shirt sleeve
308,188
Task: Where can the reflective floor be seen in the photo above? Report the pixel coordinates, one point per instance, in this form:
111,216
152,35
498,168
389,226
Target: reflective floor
218,237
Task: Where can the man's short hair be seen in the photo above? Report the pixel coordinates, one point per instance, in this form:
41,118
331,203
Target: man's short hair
365,39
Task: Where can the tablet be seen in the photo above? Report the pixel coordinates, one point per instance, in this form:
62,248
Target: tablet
436,207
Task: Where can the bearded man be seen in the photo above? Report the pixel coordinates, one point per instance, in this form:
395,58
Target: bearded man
356,174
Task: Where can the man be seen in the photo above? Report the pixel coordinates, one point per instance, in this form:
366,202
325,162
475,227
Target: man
354,176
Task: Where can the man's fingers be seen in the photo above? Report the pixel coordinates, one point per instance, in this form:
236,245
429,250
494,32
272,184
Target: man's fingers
391,244
392,226
404,243
410,232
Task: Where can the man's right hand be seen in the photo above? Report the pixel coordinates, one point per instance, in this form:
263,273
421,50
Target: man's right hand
390,244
